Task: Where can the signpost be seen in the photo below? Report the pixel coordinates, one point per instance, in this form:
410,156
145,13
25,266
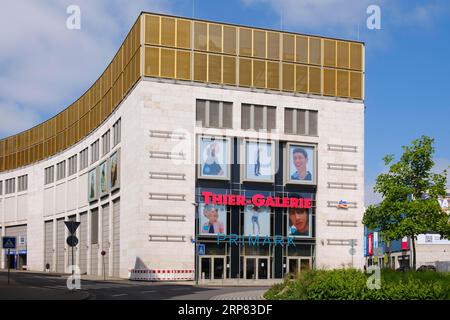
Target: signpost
103,253
352,250
9,243
72,240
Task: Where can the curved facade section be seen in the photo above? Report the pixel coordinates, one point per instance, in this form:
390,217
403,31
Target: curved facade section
83,116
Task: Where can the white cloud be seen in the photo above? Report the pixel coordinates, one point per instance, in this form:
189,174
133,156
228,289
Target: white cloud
44,66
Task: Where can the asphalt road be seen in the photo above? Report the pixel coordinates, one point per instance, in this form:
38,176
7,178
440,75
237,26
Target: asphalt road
26,286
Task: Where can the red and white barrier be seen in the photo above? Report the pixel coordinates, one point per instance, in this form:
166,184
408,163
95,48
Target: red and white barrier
161,275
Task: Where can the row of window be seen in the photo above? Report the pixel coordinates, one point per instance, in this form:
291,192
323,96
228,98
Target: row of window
253,73
219,114
243,41
84,161
10,185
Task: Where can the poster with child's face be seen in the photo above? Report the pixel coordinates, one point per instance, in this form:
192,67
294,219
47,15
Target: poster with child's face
256,221
214,157
258,161
104,185
92,185
213,219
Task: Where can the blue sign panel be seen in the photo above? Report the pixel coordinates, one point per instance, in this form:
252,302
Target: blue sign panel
201,249
9,242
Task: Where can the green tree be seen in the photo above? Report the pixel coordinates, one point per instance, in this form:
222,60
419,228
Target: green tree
410,193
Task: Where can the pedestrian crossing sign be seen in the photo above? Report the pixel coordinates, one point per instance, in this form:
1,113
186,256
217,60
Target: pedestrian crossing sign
9,242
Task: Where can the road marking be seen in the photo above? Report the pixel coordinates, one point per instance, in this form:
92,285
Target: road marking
120,295
151,291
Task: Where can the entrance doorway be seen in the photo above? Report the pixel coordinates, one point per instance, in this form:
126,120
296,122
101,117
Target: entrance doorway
297,265
257,268
212,268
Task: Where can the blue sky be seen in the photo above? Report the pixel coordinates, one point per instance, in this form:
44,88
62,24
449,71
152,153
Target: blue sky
44,66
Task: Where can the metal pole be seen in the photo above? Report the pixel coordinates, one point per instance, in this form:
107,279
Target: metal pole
9,264
104,273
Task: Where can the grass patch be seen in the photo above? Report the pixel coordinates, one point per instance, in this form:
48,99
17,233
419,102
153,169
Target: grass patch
351,284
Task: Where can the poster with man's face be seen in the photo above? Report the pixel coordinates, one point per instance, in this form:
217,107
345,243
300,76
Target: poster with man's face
301,160
299,222
213,219
258,161
256,221
92,185
214,157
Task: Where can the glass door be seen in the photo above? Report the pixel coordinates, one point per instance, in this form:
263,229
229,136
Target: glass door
263,268
293,265
205,268
219,268
305,264
250,268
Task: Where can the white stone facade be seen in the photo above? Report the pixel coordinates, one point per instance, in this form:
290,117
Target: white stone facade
158,106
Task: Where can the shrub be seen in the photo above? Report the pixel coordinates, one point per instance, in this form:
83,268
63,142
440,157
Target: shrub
351,284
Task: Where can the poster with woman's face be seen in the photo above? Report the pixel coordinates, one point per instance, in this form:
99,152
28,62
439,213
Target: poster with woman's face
299,222
92,185
104,185
301,164
256,221
259,161
213,219
114,177
214,155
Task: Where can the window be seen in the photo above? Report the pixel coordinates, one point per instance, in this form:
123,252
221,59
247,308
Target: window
301,122
258,118
72,165
49,175
117,128
61,170
84,159
10,186
1,188
214,114
106,143
22,183
94,152
94,227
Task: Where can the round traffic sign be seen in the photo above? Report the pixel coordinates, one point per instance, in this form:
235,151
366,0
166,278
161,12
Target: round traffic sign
352,251
72,241
103,253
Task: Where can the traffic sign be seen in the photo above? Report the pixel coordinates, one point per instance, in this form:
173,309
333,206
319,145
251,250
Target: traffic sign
72,241
103,253
201,249
72,226
352,251
9,242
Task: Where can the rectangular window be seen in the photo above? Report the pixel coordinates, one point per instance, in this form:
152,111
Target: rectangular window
49,175
117,128
94,227
214,114
1,188
95,151
84,159
258,118
300,122
10,186
22,183
61,170
72,165
106,143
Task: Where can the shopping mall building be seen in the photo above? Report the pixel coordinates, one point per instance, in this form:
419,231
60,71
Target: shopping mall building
247,142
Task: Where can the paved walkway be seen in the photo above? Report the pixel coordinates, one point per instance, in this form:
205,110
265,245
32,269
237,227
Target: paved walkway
242,295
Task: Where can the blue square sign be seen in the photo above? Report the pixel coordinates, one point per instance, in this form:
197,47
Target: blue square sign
9,242
201,249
